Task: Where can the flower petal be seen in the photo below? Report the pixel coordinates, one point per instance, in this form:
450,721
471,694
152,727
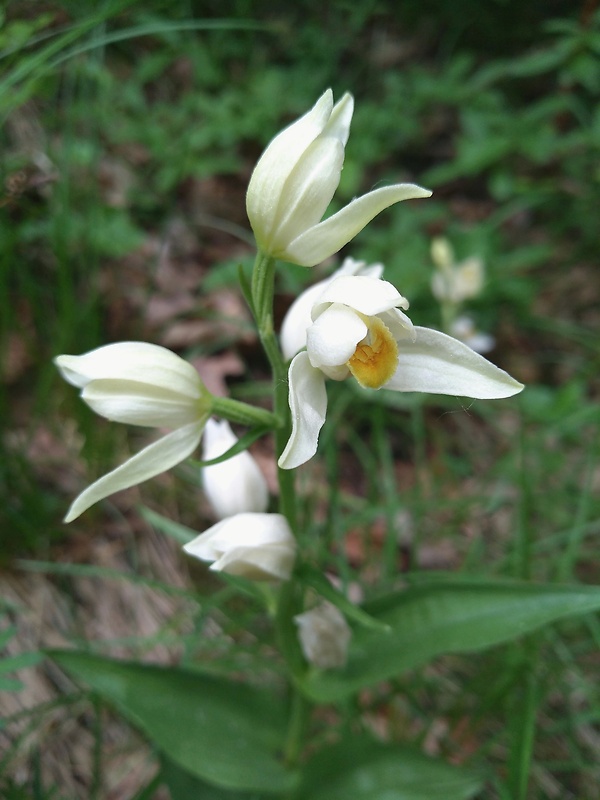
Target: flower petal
278,160
274,562
136,403
248,529
329,236
134,361
234,486
308,404
297,321
439,364
369,296
157,457
307,191
338,124
298,318
256,546
331,340
350,266
398,323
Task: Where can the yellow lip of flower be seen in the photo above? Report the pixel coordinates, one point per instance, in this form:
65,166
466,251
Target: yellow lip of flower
376,357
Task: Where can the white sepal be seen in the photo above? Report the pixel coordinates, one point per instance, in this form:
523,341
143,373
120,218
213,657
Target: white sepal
328,237
141,362
157,457
361,293
308,404
438,364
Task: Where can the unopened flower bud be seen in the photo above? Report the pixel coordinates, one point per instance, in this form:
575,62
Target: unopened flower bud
260,547
234,486
324,636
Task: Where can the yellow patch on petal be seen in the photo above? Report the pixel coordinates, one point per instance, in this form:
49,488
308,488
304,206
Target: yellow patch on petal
375,359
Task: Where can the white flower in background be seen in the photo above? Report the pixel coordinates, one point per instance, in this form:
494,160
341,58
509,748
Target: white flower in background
454,282
324,636
260,547
298,318
463,328
233,486
139,384
295,180
359,328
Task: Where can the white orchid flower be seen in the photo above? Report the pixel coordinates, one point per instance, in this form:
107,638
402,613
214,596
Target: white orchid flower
298,318
454,282
295,180
233,486
260,547
139,384
464,328
359,328
324,636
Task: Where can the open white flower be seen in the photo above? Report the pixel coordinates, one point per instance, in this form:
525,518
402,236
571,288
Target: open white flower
233,486
139,384
298,318
295,180
359,328
454,282
260,547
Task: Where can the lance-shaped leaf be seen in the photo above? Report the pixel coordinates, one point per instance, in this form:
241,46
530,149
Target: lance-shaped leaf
362,769
429,620
222,732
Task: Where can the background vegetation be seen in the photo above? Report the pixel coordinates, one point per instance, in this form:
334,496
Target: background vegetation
129,133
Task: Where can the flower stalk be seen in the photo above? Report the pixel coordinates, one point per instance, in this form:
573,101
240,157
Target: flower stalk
263,287
243,413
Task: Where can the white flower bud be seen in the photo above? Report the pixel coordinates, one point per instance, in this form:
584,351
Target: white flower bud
260,547
324,636
234,486
454,282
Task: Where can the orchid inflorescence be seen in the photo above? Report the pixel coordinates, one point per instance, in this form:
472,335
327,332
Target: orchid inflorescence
351,325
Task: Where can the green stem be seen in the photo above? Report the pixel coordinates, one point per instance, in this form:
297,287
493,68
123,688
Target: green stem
299,714
290,603
244,414
262,287
291,595
449,312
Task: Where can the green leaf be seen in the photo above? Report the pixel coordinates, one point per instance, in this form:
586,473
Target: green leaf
362,769
183,786
242,444
10,685
445,617
20,661
246,288
317,581
225,733
181,533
